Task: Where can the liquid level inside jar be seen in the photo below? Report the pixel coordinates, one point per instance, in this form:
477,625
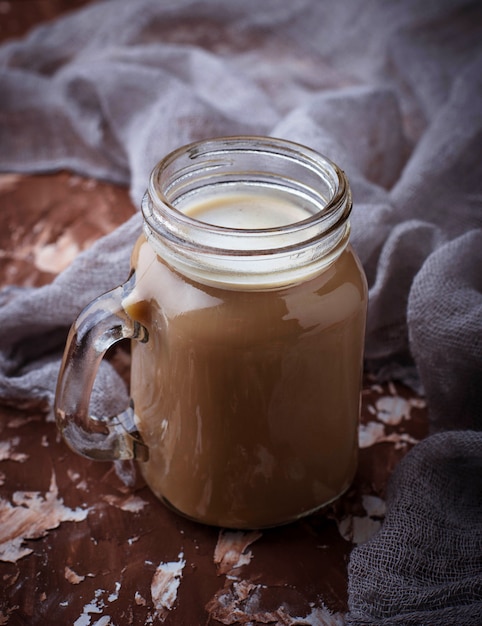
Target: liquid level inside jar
246,209
247,235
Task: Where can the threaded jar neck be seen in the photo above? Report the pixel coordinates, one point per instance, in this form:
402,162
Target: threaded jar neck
292,216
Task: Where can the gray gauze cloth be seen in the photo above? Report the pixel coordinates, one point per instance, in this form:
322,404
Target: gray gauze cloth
391,91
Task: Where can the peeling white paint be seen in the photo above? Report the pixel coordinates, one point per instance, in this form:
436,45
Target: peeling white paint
115,595
139,599
104,621
319,616
55,257
394,409
369,434
374,432
95,606
358,529
374,506
132,503
165,584
31,515
241,602
230,552
7,452
72,576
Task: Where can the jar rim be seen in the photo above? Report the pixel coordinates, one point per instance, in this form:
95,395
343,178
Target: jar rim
317,162
247,257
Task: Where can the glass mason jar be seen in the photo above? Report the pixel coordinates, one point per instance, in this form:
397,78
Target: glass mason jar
247,307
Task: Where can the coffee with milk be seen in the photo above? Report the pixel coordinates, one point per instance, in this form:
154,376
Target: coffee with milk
246,306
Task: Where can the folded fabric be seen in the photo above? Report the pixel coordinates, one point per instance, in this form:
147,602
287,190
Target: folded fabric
434,517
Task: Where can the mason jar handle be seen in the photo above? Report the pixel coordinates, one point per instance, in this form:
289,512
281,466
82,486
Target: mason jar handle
99,326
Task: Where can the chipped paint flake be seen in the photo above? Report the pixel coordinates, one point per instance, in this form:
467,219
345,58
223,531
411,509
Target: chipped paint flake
30,516
94,607
104,621
241,602
74,476
230,552
55,257
126,472
132,503
139,599
358,529
319,616
394,409
238,603
369,434
115,595
374,432
374,506
72,577
17,422
400,439
7,452
164,585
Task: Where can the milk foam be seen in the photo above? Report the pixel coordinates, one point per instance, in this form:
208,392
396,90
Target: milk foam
246,210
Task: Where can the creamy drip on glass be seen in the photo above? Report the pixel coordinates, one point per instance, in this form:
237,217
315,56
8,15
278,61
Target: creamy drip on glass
247,400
